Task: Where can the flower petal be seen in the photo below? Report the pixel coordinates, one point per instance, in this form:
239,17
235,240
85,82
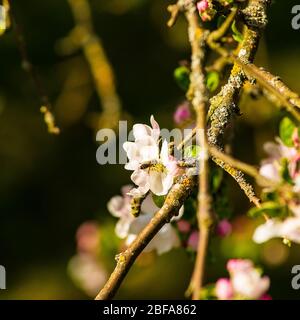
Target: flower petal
141,179
164,153
122,227
268,230
155,128
156,183
115,206
141,131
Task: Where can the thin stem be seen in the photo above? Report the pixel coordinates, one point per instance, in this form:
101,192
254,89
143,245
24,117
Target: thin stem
244,167
198,92
274,86
46,106
83,36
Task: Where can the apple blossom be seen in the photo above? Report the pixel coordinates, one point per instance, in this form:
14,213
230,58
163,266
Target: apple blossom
238,265
129,227
119,207
87,236
154,169
87,272
288,229
224,290
271,166
246,280
249,283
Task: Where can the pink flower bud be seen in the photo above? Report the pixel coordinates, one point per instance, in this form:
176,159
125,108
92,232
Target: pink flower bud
182,113
224,228
193,240
87,237
224,290
236,265
202,6
184,226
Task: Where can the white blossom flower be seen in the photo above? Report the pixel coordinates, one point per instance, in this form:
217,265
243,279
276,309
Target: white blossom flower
165,240
119,207
249,284
159,174
88,273
275,228
129,227
246,280
271,166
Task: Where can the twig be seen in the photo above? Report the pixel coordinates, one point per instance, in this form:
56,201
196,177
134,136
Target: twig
46,107
174,10
83,36
224,105
176,197
285,96
198,93
216,35
242,166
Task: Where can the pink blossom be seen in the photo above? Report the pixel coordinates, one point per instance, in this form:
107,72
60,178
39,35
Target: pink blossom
224,290
193,240
224,228
184,226
236,265
246,280
202,6
249,284
88,273
182,113
87,237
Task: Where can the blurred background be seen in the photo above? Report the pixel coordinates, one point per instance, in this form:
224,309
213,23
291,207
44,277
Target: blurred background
50,185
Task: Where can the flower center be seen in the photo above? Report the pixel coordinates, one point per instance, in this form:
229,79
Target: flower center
158,167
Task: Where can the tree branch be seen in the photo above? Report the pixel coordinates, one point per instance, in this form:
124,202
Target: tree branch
46,106
83,36
175,199
199,98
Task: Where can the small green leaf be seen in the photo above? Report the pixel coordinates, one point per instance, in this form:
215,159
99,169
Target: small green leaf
286,130
216,179
158,200
237,36
182,77
212,80
220,20
285,173
272,209
192,151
